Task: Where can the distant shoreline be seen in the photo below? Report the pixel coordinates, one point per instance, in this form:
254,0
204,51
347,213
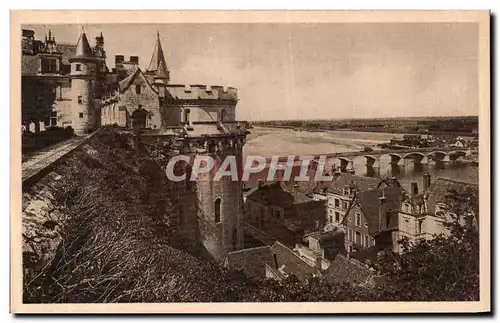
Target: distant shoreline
376,130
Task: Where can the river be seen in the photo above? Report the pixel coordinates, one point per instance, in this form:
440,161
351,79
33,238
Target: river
286,142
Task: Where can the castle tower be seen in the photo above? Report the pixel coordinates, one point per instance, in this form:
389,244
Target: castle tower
211,209
83,76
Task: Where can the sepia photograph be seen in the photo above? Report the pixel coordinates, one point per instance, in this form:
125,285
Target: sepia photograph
250,162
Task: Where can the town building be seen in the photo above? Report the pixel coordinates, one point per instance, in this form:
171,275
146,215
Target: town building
370,215
327,244
424,215
340,193
284,211
279,262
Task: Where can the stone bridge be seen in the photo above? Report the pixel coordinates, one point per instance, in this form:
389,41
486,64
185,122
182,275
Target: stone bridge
417,156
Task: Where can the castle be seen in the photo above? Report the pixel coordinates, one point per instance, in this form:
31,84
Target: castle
71,85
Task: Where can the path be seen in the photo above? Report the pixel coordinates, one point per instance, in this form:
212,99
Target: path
41,159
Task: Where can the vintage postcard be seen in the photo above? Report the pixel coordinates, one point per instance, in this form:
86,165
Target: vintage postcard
250,162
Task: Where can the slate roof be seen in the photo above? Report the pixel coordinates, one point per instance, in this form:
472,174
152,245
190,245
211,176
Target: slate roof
272,193
441,187
83,48
68,50
360,182
291,262
124,84
251,261
29,65
368,201
158,63
343,270
326,238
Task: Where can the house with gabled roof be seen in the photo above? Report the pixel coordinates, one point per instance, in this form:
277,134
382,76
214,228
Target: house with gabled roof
425,215
371,215
339,194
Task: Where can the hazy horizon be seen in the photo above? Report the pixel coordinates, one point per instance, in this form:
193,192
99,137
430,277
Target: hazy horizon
311,71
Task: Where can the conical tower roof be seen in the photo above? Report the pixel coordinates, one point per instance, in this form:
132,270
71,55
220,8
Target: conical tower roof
158,63
83,47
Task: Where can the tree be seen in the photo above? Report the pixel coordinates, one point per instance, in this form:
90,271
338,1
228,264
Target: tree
443,269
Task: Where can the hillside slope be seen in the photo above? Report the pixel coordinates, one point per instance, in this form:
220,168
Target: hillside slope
98,229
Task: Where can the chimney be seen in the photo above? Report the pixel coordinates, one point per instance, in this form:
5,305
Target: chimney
382,210
394,181
134,60
427,181
119,59
414,188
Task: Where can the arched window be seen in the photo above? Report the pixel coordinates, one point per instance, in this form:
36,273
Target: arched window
217,210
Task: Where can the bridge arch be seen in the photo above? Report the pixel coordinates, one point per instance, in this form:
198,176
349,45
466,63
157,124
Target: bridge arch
344,162
437,155
395,158
415,156
372,161
454,155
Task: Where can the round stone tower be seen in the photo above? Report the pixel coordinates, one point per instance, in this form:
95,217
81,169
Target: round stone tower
83,76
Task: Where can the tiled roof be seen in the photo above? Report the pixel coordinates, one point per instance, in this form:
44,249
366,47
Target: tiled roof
251,261
343,270
291,263
360,182
441,187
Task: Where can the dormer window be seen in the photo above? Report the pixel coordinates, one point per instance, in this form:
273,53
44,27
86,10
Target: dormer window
346,191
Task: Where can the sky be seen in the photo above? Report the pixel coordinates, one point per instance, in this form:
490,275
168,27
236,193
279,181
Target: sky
311,71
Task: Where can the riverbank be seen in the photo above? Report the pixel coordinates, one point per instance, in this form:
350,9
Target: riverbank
401,131
265,141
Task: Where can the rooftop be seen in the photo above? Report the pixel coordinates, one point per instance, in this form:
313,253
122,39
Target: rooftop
344,270
440,189
251,261
362,183
369,203
292,263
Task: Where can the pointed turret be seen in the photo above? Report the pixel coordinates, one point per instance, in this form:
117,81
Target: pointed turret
158,65
83,47
83,93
